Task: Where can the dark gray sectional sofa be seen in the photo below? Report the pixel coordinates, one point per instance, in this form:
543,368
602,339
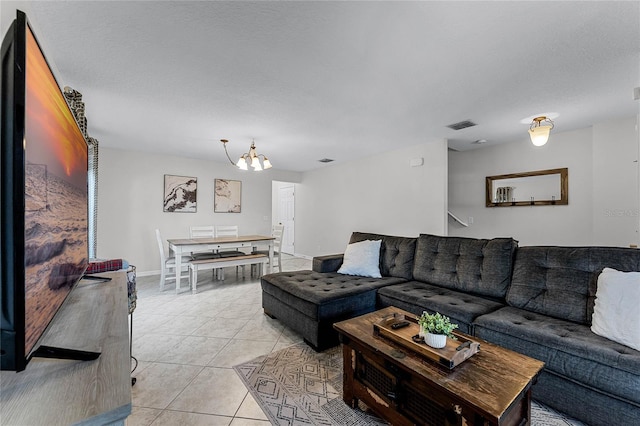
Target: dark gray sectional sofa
535,300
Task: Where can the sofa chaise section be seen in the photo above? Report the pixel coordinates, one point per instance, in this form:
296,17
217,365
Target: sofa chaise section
310,302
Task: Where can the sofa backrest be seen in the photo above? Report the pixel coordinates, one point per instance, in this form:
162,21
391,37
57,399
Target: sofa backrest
561,281
396,253
471,265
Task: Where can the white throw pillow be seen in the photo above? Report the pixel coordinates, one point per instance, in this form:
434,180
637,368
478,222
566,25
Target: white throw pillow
616,312
363,259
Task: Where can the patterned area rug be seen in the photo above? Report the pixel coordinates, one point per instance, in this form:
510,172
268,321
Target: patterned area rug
298,386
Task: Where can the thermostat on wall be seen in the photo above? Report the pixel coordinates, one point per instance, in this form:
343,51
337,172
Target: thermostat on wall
416,162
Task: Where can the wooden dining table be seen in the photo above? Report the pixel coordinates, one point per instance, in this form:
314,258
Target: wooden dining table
179,247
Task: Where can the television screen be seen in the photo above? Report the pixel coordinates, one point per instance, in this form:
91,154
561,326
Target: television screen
48,205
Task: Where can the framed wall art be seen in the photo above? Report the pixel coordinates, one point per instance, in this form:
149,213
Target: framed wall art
180,194
227,196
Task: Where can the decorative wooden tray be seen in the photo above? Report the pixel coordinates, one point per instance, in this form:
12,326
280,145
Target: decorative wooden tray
454,353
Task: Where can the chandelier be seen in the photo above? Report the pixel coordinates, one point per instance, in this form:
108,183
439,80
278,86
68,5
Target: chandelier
251,158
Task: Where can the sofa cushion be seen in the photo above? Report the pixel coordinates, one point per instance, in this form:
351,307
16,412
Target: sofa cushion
469,265
568,349
396,253
362,259
325,295
616,314
555,281
416,297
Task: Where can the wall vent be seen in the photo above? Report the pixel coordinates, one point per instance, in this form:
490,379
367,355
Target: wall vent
325,160
462,125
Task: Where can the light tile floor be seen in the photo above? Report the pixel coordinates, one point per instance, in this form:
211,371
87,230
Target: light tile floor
187,344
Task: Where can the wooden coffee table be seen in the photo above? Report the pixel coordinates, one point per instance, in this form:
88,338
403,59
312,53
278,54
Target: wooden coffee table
493,387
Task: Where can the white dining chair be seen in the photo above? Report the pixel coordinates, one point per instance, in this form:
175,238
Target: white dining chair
277,231
228,231
168,264
202,231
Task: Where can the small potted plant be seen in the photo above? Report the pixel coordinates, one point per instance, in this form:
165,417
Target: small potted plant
436,328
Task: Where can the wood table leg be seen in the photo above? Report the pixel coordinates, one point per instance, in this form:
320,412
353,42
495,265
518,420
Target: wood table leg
348,361
528,407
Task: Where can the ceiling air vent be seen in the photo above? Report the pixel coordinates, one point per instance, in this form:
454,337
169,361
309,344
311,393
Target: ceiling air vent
325,160
462,125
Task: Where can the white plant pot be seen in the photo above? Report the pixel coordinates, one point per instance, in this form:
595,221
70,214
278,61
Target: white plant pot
435,340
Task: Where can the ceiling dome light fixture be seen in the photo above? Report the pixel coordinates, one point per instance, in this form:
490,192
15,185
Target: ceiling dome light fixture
250,158
539,130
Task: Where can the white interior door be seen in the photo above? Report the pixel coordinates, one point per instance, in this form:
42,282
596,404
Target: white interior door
286,209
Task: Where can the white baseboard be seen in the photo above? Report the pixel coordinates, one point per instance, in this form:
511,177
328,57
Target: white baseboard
304,256
147,273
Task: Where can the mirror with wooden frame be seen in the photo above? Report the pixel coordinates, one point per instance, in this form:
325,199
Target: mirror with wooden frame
538,188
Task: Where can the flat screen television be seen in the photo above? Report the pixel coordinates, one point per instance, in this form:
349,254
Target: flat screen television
44,239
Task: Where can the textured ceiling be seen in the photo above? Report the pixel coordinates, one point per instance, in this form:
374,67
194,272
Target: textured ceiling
309,80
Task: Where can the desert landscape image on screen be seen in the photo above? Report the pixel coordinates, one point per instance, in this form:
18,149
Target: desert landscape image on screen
56,246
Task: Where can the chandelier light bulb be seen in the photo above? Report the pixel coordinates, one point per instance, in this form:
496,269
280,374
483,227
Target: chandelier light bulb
242,164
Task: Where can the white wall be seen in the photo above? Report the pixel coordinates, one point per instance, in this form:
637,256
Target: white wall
616,201
130,194
603,178
380,194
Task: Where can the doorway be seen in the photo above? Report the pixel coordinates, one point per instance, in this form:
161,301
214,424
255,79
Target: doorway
284,212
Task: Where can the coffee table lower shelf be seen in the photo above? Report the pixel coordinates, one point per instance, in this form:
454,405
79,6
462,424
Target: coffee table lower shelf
491,388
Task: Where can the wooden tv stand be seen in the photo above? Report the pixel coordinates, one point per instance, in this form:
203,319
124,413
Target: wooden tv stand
63,392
